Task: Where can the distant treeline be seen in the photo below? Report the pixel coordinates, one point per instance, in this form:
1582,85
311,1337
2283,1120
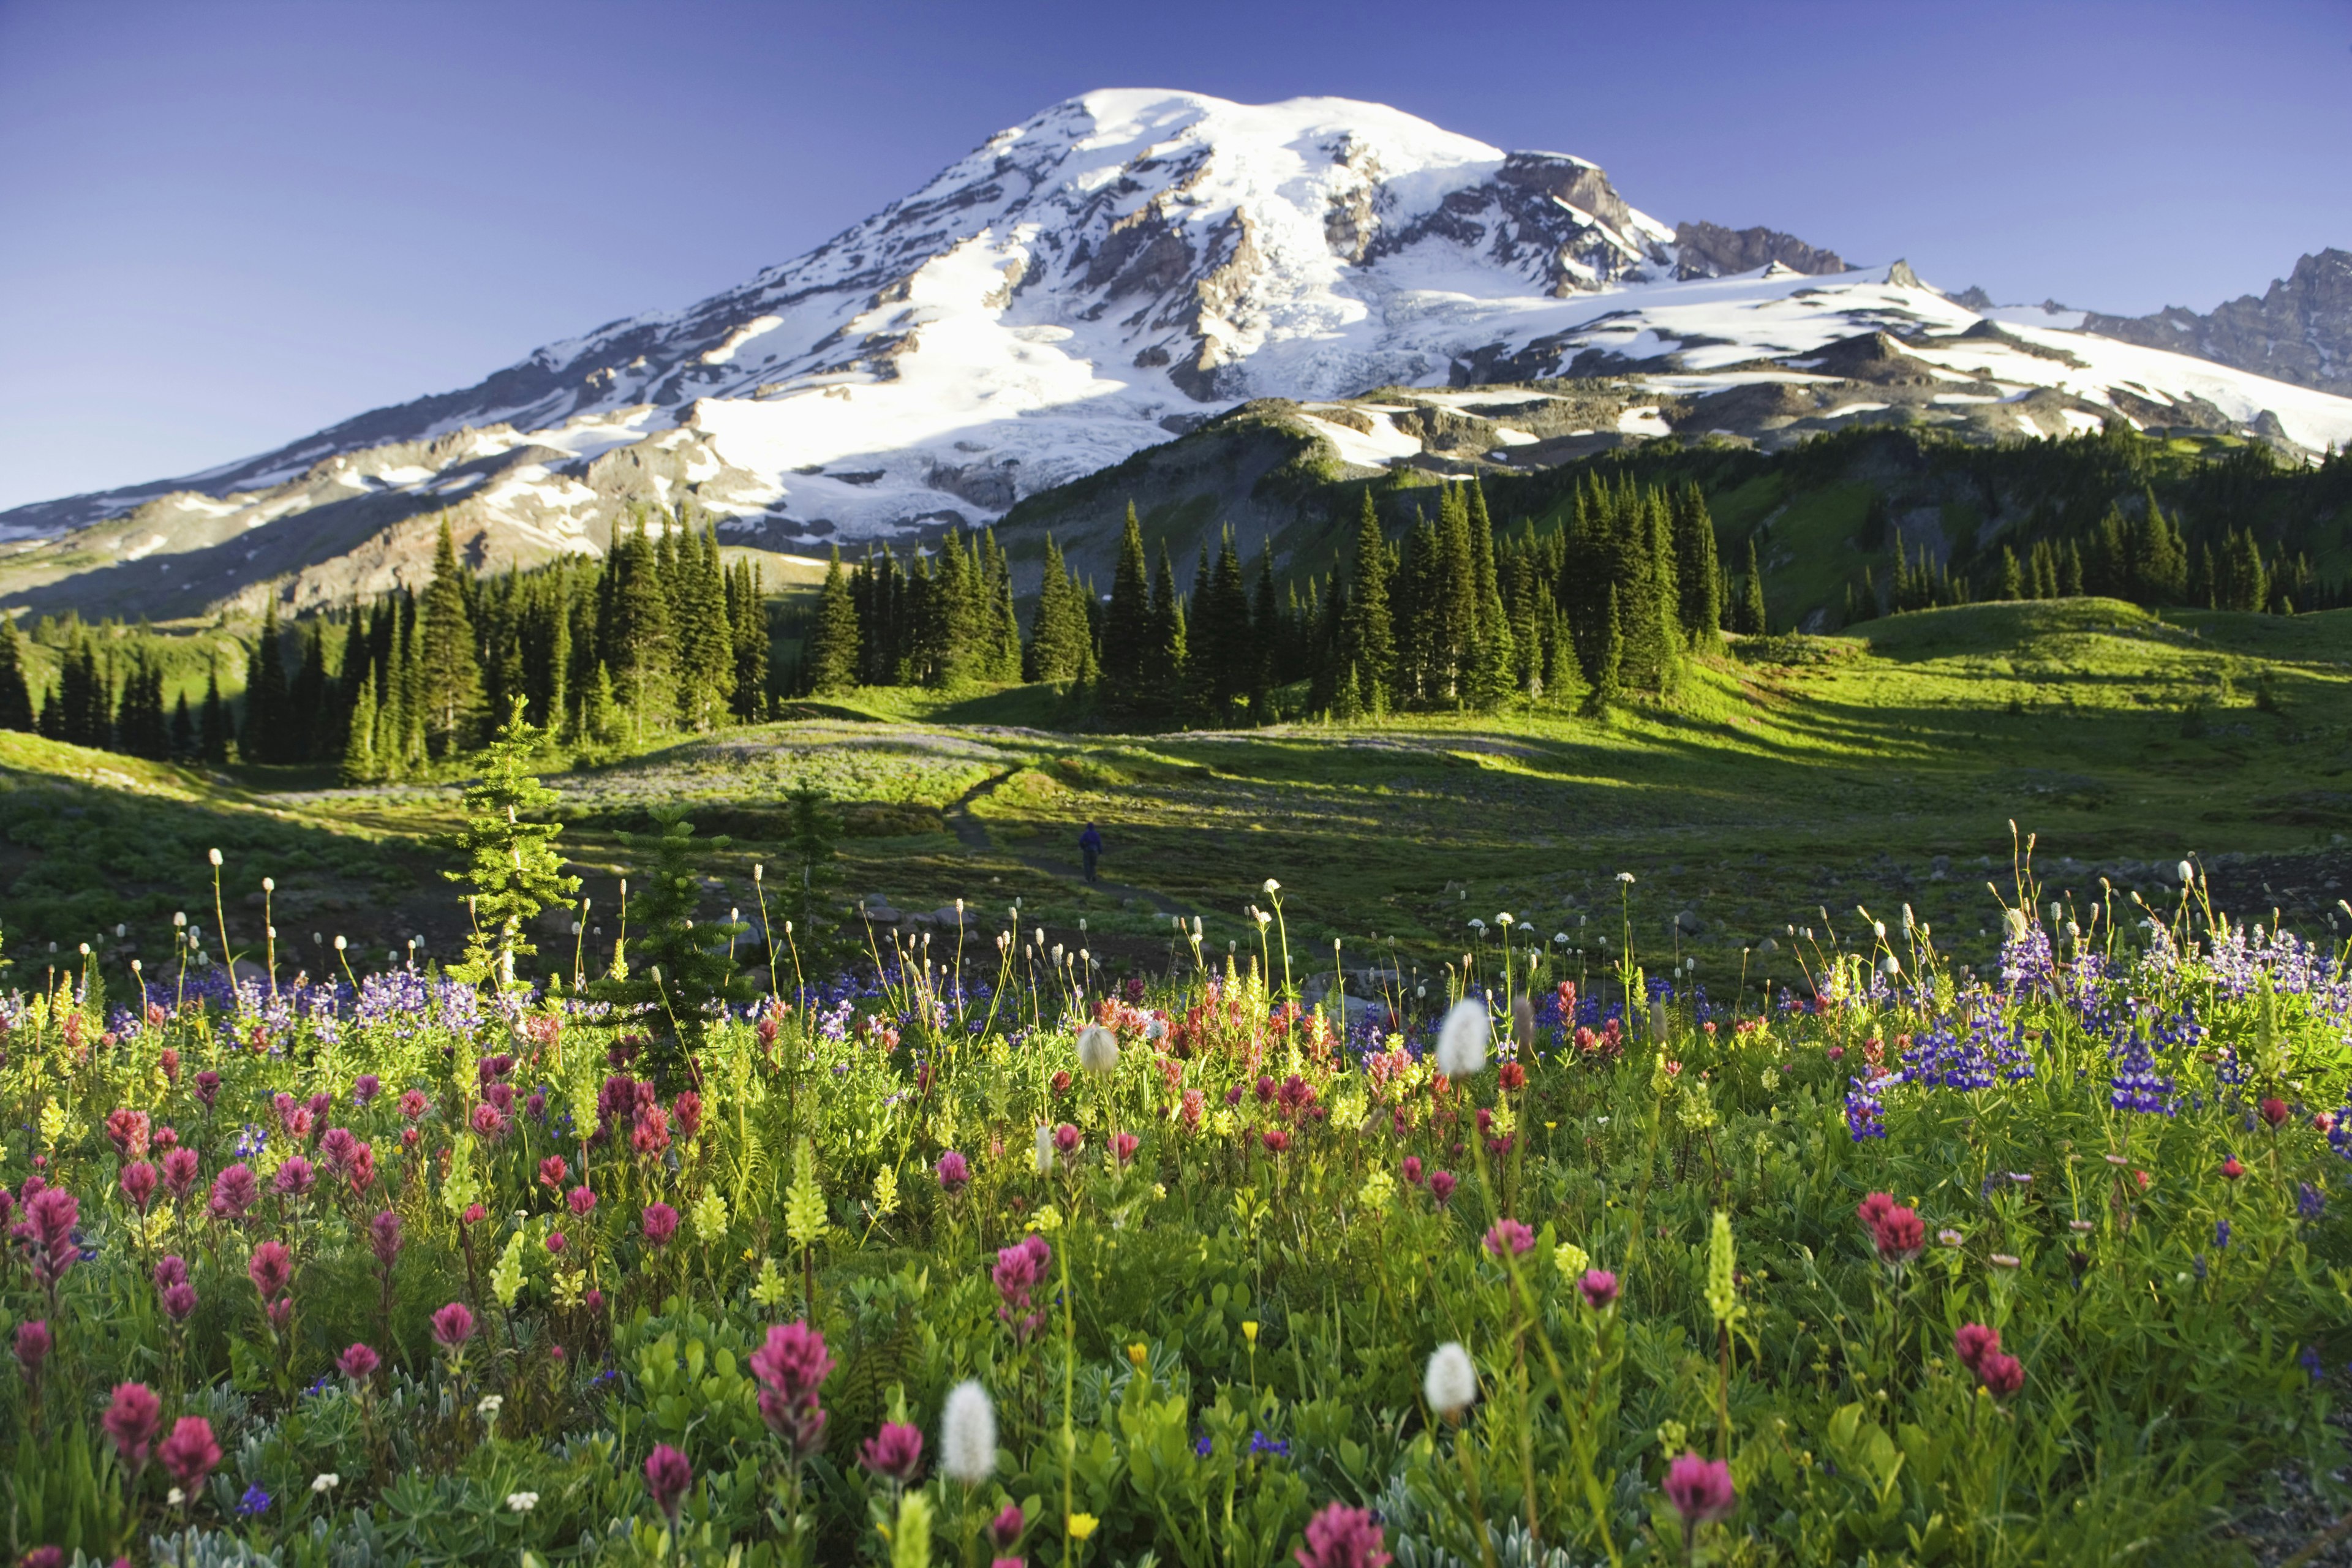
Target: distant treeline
1610,580
658,636
1450,616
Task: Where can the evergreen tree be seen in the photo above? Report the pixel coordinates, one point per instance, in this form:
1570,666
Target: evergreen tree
263,738
1057,629
1368,635
1168,657
1269,636
812,837
511,865
212,727
184,730
358,766
635,639
1697,570
2012,576
1128,640
16,695
1493,657
705,663
1753,617
1606,690
1000,625
307,700
830,658
673,964
449,668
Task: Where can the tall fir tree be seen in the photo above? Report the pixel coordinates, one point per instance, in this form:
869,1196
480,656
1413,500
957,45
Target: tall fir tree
450,670
831,656
1754,618
263,738
16,692
212,726
1127,631
1057,628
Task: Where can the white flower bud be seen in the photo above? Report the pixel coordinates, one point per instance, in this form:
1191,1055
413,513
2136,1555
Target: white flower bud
1462,1040
1451,1383
968,1435
1097,1050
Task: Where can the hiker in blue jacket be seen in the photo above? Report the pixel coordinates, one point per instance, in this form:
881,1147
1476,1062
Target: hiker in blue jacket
1090,847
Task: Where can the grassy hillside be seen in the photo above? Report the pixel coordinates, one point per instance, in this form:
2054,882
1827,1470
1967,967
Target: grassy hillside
1800,775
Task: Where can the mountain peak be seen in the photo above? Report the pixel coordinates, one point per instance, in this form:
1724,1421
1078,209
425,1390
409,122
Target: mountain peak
1078,286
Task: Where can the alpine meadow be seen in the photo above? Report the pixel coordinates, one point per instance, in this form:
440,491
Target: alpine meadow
684,955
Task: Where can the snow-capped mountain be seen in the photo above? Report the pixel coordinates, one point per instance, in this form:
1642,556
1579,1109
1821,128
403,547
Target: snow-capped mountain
1089,283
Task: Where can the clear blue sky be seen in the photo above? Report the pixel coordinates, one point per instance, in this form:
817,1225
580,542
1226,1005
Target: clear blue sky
225,224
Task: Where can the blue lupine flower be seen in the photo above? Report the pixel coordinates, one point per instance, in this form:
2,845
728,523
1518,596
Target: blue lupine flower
2221,1233
2312,1364
2310,1202
1201,1448
254,1501
1262,1443
249,1142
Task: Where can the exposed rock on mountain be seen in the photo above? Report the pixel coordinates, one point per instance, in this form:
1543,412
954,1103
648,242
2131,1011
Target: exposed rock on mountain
2299,330
1710,250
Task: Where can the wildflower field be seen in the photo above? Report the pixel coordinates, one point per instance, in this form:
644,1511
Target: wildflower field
1993,1213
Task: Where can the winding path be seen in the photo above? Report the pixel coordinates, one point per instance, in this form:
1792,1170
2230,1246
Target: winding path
973,835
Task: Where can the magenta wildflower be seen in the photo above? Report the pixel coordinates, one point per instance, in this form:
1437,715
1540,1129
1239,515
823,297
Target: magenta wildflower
895,1453
170,1269
365,1087
131,1420
1005,1529
138,1182
791,1366
661,1224
234,1192
582,1200
32,1345
190,1453
180,1301
1343,1537
1123,1146
1441,1186
1599,1287
1973,1342
207,1087
358,1362
294,1177
1700,1490
181,1169
453,1325
384,1237
337,1149
2002,1376
272,1270
1511,1234
52,1213
668,1477
954,1172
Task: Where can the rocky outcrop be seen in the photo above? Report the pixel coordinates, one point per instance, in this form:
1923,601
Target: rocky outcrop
2299,330
1711,251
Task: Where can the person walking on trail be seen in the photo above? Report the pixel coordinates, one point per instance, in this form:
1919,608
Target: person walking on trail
1090,847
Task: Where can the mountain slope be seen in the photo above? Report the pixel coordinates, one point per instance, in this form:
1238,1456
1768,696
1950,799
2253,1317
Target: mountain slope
1087,285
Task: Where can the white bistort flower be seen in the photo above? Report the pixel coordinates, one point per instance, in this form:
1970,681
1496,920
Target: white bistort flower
521,1502
1451,1383
1097,1050
1462,1040
968,1435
